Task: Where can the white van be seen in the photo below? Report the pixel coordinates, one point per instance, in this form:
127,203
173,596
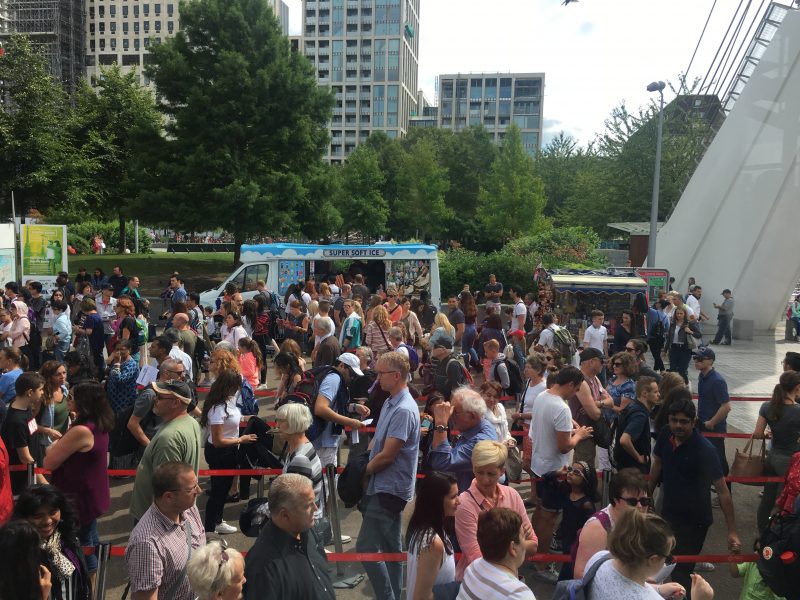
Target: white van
411,268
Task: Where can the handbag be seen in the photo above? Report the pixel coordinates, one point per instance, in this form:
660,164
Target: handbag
747,464
514,464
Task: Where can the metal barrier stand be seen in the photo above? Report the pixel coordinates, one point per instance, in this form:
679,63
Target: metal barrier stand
333,514
103,552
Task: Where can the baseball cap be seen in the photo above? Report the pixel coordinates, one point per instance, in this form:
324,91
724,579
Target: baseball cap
591,353
174,387
703,353
351,360
444,342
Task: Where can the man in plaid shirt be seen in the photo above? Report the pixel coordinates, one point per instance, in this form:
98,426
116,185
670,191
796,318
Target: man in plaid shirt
163,540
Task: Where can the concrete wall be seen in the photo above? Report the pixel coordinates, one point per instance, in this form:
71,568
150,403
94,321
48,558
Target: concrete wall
736,223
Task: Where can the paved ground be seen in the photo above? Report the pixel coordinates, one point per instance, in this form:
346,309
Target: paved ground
751,368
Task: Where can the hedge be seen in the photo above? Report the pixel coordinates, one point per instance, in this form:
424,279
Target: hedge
110,232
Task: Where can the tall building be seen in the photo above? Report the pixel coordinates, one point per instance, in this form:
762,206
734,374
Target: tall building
120,31
55,26
494,100
366,51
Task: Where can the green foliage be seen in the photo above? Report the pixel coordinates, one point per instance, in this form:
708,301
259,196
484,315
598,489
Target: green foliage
81,244
512,200
560,247
361,202
110,232
460,266
247,129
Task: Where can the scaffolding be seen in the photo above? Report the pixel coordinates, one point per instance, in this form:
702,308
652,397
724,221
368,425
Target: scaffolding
56,27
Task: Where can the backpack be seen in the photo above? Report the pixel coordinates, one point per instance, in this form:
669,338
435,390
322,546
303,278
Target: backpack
576,589
247,399
656,335
528,321
142,329
565,344
779,550
120,440
514,377
413,357
306,392
350,485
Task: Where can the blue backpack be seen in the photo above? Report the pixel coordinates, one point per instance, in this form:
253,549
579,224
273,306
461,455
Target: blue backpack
576,589
413,357
247,399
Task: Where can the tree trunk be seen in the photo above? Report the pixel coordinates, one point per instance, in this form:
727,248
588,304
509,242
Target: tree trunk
121,233
238,240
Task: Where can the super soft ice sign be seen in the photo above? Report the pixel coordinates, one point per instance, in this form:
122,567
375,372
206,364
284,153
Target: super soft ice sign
353,253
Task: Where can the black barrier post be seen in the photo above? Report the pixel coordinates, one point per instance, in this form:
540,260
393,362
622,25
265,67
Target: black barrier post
333,514
31,474
260,487
103,552
606,482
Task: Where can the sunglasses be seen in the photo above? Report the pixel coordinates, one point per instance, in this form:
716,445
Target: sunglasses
668,558
574,471
630,349
643,501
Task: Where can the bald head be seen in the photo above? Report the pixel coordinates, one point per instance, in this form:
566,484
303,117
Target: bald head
180,320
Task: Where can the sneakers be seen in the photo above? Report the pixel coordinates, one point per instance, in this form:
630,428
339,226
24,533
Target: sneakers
263,386
547,575
346,539
704,567
715,502
223,528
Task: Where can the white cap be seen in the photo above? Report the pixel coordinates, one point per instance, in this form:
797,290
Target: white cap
351,360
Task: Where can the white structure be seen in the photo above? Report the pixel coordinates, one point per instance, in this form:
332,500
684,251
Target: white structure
119,31
494,100
735,225
366,52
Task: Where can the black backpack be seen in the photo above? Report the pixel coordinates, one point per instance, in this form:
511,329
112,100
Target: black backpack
779,555
528,321
515,383
306,392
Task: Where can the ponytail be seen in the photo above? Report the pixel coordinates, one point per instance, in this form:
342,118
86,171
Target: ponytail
786,384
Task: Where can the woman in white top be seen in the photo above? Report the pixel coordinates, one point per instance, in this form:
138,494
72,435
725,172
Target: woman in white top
221,419
496,412
431,560
534,371
232,330
639,547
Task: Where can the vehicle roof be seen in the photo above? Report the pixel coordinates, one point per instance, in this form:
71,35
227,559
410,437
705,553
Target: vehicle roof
379,251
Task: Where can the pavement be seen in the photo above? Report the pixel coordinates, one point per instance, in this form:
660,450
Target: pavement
751,368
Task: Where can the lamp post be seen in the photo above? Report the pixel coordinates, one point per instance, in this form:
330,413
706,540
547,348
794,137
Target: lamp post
656,86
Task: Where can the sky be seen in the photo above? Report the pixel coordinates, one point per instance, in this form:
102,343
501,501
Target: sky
595,54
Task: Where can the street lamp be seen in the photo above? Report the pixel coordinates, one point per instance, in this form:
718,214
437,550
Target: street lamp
656,86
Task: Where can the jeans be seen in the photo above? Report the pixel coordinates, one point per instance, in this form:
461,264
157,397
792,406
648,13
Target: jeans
723,329
88,537
689,539
467,340
380,532
218,458
679,359
796,325
655,349
776,465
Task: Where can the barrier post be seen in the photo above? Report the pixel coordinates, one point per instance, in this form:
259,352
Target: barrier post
260,487
333,514
606,483
31,474
103,552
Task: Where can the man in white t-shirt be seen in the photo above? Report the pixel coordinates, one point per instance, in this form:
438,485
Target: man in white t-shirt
546,337
596,335
518,323
693,302
553,438
501,539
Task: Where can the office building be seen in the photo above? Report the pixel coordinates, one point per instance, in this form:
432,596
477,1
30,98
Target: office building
56,27
120,31
366,52
494,100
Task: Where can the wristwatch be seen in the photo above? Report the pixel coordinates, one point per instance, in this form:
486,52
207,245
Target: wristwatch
440,428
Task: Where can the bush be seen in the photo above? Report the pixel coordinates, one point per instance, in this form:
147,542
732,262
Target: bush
459,266
80,244
110,232
561,247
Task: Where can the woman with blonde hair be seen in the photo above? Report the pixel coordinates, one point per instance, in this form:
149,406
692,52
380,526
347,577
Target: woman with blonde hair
485,492
377,337
441,329
216,572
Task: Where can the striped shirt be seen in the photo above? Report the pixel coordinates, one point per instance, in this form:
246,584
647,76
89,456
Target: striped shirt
484,581
305,462
157,552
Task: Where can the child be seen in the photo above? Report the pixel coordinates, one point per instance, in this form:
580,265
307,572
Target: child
250,360
576,486
19,427
5,327
753,587
211,325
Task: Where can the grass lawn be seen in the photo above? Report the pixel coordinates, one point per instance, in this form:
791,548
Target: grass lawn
201,270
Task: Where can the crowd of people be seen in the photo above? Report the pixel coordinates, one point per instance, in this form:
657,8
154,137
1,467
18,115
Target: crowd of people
102,390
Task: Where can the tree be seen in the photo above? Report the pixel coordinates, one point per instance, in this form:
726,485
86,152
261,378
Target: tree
361,203
512,201
557,164
247,125
422,183
115,123
40,163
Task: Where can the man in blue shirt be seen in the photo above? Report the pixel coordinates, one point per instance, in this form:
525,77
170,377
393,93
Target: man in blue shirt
657,328
392,471
466,414
713,404
687,465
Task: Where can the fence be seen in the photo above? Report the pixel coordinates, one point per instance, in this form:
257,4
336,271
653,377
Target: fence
104,552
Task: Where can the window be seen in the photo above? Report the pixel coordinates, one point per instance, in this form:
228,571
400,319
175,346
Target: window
136,27
112,27
491,89
125,44
124,11
91,12
136,44
113,43
157,8
252,275
125,27
171,27
505,87
475,89
102,44
158,26
103,26
146,10
170,10
527,88
101,11
135,11
146,26
112,11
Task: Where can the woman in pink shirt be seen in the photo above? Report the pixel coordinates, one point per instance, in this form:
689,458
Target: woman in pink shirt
20,331
250,361
488,465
